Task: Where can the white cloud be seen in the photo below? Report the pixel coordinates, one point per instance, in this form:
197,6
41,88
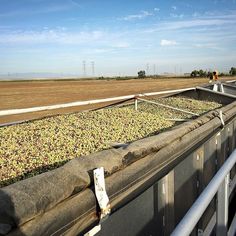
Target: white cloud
121,45
143,14
213,46
156,9
177,16
165,42
73,2
58,35
174,8
67,5
192,23
196,14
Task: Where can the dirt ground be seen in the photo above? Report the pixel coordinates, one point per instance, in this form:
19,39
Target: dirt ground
41,93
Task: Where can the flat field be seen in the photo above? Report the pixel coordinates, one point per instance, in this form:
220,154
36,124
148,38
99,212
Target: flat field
24,94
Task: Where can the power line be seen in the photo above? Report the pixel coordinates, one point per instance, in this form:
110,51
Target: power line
154,69
147,68
84,69
93,68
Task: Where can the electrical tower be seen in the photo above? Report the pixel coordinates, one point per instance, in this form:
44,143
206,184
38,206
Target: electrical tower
147,68
154,69
84,69
93,68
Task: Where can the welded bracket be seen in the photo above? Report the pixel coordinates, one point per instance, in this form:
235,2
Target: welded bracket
101,194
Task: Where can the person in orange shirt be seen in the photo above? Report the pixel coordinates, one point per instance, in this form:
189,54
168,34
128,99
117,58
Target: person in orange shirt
215,75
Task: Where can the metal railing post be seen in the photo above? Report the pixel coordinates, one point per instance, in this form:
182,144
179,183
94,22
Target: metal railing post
222,88
222,207
219,183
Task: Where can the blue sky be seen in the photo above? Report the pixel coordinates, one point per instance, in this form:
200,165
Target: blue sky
121,37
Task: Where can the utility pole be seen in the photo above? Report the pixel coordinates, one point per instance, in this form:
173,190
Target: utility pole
154,69
84,69
93,68
147,68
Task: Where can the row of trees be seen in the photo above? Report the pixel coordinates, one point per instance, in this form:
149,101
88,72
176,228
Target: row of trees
232,71
141,74
202,73
195,73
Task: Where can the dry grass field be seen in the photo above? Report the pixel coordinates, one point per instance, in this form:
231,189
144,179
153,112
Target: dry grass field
41,93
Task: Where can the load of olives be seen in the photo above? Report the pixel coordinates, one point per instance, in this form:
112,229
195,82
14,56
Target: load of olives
34,147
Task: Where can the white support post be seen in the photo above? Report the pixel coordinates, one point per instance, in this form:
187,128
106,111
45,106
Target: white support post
136,104
222,208
215,88
222,88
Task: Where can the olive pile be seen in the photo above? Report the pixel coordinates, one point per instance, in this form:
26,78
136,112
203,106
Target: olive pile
34,147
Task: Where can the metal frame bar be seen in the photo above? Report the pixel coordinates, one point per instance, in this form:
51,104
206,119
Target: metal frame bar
193,215
82,103
170,107
216,92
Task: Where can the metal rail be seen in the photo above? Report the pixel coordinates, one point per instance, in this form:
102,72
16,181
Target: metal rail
167,106
82,103
216,92
219,184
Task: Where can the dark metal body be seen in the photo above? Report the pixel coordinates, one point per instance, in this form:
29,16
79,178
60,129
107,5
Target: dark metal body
151,183
157,210
161,207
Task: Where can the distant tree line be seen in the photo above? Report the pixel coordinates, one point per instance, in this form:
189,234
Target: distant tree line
204,73
232,71
199,73
141,74
194,73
